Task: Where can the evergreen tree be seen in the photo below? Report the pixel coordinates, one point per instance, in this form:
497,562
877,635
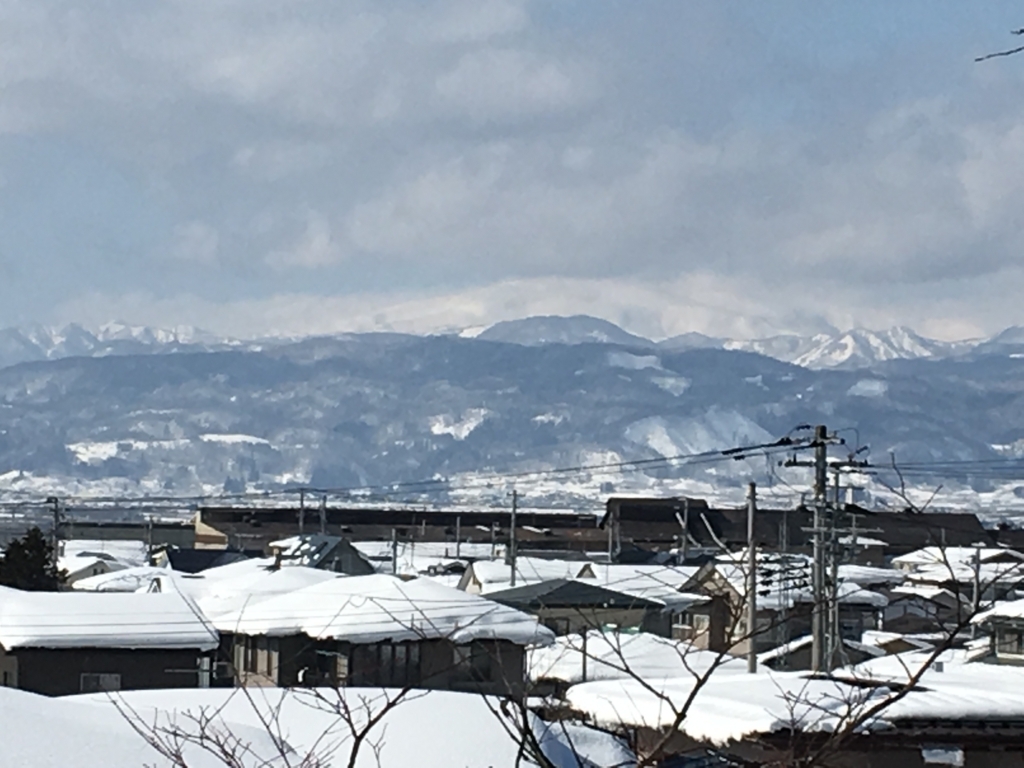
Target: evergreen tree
28,563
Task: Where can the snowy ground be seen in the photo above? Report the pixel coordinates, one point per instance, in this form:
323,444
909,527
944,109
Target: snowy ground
436,729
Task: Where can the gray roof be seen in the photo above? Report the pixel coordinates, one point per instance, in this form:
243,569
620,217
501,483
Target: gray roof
568,593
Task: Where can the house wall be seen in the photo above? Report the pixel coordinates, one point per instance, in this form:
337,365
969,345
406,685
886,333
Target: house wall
568,621
8,670
57,672
298,660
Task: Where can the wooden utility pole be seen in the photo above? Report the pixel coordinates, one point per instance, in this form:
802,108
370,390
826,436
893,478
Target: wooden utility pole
394,551
818,617
512,536
302,511
751,580
323,515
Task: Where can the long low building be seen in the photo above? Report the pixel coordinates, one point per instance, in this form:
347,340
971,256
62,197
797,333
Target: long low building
381,631
60,643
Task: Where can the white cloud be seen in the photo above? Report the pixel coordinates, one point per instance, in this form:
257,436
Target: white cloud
508,82
458,162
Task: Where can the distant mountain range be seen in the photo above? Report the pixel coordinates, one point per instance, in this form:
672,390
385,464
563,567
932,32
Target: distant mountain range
135,411
856,348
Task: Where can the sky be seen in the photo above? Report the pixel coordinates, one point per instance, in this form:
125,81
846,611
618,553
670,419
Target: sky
729,167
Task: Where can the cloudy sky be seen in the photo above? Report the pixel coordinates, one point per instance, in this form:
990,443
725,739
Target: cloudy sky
736,168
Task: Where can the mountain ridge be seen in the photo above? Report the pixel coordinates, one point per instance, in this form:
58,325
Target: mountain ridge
851,349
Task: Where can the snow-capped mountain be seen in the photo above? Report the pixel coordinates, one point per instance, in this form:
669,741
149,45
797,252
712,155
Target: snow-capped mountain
367,410
554,329
857,348
37,342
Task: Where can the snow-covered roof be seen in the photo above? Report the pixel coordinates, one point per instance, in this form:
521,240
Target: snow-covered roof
659,583
861,541
615,655
125,580
102,620
128,552
806,640
494,575
963,573
867,576
417,557
927,592
368,609
237,586
956,556
881,639
732,707
1008,610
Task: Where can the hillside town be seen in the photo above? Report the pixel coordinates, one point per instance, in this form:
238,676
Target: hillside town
664,632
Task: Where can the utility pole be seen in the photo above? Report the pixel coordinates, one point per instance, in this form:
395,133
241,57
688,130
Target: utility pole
302,511
835,642
686,528
976,597
55,534
323,515
394,551
458,536
818,566
512,537
751,580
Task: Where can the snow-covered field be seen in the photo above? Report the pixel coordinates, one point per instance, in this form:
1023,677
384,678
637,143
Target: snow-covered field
436,729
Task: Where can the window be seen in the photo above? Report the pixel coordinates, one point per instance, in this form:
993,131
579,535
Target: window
558,626
390,665
473,662
1009,642
93,682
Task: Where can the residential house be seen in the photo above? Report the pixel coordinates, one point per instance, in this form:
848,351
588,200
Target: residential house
920,608
796,654
379,630
86,558
196,560
572,606
324,552
485,576
994,572
784,605
1005,625
60,643
967,714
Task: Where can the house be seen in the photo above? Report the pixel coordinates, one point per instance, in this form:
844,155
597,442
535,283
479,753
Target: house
864,550
86,558
60,643
796,654
968,714
995,570
324,552
572,606
916,608
485,576
196,560
1005,625
238,586
382,631
784,605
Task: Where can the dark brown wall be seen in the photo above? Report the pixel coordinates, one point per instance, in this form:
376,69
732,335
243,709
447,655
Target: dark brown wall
56,672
